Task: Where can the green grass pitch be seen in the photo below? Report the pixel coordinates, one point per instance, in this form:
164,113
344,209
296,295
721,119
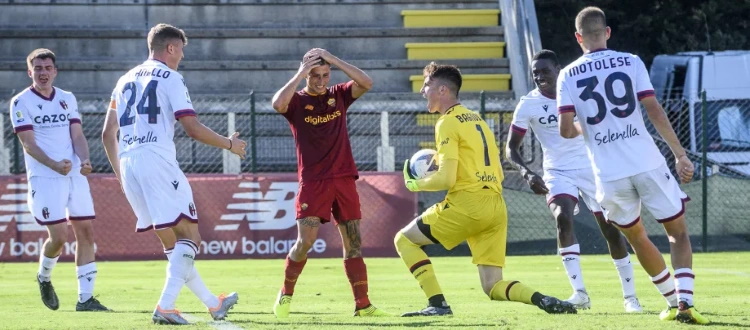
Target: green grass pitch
323,299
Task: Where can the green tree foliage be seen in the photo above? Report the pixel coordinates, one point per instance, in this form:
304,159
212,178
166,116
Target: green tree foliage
647,27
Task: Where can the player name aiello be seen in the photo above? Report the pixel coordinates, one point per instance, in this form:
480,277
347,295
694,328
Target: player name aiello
605,63
153,73
610,136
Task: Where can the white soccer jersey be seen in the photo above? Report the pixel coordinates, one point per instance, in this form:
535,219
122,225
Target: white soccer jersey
149,99
539,112
603,88
50,119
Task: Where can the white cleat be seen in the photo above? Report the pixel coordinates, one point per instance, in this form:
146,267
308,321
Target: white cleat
632,305
580,299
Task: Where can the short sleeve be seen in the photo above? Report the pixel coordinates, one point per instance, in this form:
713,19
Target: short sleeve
446,139
643,85
564,101
19,116
520,123
344,90
292,106
74,115
179,98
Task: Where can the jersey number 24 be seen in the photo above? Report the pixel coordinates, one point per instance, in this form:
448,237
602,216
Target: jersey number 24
148,105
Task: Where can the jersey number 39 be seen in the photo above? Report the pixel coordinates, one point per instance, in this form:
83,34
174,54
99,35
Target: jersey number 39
627,100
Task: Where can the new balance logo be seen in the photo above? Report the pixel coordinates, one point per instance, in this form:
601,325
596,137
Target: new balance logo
263,205
175,183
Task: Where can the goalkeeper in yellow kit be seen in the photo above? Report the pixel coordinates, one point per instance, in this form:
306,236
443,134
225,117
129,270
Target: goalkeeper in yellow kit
473,209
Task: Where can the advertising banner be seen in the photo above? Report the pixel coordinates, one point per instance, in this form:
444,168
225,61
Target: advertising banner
240,216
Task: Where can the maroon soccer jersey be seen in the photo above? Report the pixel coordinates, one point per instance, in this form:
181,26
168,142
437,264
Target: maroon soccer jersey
318,124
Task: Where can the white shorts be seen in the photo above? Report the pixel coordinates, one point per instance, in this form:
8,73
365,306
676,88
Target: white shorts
657,189
571,183
157,190
55,200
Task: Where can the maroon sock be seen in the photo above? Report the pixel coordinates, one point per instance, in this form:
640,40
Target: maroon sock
292,269
356,271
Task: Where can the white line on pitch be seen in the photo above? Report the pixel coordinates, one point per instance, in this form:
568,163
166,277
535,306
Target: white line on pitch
724,271
219,325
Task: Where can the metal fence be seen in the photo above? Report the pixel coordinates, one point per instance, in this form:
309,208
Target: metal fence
385,132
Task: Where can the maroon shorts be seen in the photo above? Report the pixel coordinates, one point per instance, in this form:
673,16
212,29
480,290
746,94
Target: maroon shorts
320,198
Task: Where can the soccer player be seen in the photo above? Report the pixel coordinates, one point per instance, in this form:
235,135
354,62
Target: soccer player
473,209
602,88
146,104
567,171
325,169
56,153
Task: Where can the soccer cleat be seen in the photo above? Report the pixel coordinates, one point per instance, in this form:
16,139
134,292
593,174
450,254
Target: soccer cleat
431,311
370,310
688,314
226,302
580,299
668,314
91,305
168,317
552,305
49,297
282,305
632,305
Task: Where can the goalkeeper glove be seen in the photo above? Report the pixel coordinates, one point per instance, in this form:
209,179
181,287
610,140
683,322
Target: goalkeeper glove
410,182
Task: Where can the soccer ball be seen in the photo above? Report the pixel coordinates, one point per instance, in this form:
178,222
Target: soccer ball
423,163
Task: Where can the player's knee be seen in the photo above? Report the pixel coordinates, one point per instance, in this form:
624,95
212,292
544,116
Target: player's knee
304,244
487,287
564,222
84,235
401,241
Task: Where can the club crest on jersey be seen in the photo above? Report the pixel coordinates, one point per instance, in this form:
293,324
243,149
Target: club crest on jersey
303,206
332,102
45,213
191,208
309,107
63,105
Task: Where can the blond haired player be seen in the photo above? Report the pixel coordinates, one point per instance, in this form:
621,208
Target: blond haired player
473,209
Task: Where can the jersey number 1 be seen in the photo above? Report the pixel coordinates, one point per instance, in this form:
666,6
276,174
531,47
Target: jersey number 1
151,109
484,141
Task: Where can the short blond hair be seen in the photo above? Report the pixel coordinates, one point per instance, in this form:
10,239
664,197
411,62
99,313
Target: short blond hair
591,22
161,34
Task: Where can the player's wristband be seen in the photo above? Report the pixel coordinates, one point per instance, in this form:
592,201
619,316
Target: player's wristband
230,144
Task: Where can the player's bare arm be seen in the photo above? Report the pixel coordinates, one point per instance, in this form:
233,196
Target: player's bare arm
513,154
568,127
660,121
81,147
443,179
196,130
29,144
283,96
362,82
109,140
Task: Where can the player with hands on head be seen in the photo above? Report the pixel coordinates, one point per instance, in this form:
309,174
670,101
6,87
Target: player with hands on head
567,174
47,122
145,161
602,88
325,170
473,209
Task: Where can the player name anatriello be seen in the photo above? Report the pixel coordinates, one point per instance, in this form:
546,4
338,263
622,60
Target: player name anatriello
610,136
128,139
155,72
605,63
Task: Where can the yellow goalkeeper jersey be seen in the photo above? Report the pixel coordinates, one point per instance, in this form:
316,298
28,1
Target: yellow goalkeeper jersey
463,135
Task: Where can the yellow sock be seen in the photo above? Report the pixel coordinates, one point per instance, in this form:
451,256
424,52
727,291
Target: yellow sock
419,265
512,291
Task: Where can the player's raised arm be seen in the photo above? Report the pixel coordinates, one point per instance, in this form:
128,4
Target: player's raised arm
660,121
362,82
283,96
196,130
109,138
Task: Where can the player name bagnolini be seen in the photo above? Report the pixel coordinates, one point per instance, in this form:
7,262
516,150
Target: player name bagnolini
610,136
148,138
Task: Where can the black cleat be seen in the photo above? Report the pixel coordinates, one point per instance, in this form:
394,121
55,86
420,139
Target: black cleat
552,305
431,311
49,297
91,305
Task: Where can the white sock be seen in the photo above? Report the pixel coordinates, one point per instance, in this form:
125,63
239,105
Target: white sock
666,287
45,267
571,261
685,281
195,284
180,263
625,269
86,279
